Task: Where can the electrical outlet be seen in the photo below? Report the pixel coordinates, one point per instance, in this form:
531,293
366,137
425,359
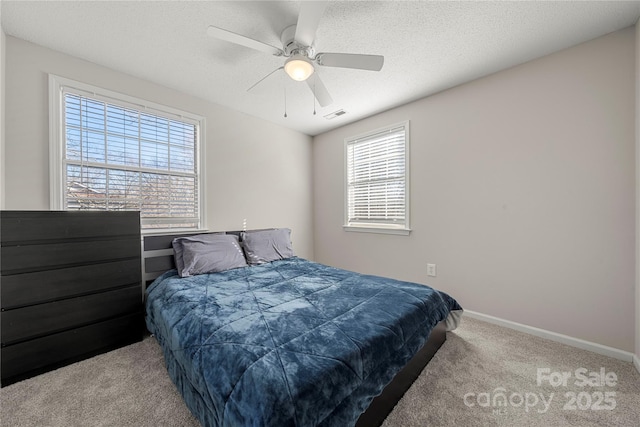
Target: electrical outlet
431,270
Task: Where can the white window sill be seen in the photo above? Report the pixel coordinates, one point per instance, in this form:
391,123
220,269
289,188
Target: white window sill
167,231
378,230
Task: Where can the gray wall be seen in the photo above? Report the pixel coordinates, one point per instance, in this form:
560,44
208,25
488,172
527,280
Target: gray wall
522,193
638,193
255,170
2,90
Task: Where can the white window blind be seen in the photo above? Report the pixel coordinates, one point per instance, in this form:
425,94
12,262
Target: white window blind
376,166
119,157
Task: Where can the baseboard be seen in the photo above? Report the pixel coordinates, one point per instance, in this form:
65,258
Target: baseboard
636,362
564,339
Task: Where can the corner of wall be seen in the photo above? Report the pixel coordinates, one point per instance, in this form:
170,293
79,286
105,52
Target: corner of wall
637,52
2,86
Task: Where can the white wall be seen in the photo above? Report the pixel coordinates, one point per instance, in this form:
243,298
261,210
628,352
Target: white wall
2,91
254,169
522,193
638,195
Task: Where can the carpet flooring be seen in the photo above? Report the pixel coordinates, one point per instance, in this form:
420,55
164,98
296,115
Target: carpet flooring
484,375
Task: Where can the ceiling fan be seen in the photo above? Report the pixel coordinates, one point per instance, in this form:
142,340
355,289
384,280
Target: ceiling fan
299,49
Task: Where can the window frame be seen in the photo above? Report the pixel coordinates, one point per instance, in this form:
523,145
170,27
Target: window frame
401,229
57,140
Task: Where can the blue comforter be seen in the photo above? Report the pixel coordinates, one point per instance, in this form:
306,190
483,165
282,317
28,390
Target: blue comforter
290,342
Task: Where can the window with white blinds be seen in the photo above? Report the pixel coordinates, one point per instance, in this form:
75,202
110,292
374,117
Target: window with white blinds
377,180
118,153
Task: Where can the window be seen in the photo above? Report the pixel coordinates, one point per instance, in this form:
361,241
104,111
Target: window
113,152
377,181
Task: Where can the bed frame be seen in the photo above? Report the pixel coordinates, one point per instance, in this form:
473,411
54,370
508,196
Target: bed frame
157,257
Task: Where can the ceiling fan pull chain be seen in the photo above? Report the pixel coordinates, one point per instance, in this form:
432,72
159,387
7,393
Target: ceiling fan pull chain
314,95
285,101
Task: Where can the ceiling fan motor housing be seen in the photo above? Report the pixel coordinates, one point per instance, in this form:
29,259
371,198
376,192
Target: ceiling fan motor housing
291,46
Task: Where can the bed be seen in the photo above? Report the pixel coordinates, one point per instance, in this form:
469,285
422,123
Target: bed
290,342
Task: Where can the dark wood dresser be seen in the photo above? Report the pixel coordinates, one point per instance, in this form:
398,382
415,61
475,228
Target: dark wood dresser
70,288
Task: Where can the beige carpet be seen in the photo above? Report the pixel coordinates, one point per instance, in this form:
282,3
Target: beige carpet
130,387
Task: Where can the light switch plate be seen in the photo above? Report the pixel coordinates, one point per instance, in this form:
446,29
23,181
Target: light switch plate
431,270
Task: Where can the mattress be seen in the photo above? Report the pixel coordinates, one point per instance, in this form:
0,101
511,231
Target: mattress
291,342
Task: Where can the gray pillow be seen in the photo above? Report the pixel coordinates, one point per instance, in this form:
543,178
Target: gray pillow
267,245
210,253
178,250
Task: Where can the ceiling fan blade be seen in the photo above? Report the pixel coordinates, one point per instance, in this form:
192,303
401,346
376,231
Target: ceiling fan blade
308,20
319,90
264,78
229,36
351,60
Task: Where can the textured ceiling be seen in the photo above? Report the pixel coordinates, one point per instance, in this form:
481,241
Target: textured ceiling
428,46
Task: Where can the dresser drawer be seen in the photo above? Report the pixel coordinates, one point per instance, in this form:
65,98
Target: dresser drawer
42,226
45,286
31,258
37,320
32,357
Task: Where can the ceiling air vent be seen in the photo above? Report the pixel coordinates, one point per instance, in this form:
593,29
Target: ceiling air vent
335,114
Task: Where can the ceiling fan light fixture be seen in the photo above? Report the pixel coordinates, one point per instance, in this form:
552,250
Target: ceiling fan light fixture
299,68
